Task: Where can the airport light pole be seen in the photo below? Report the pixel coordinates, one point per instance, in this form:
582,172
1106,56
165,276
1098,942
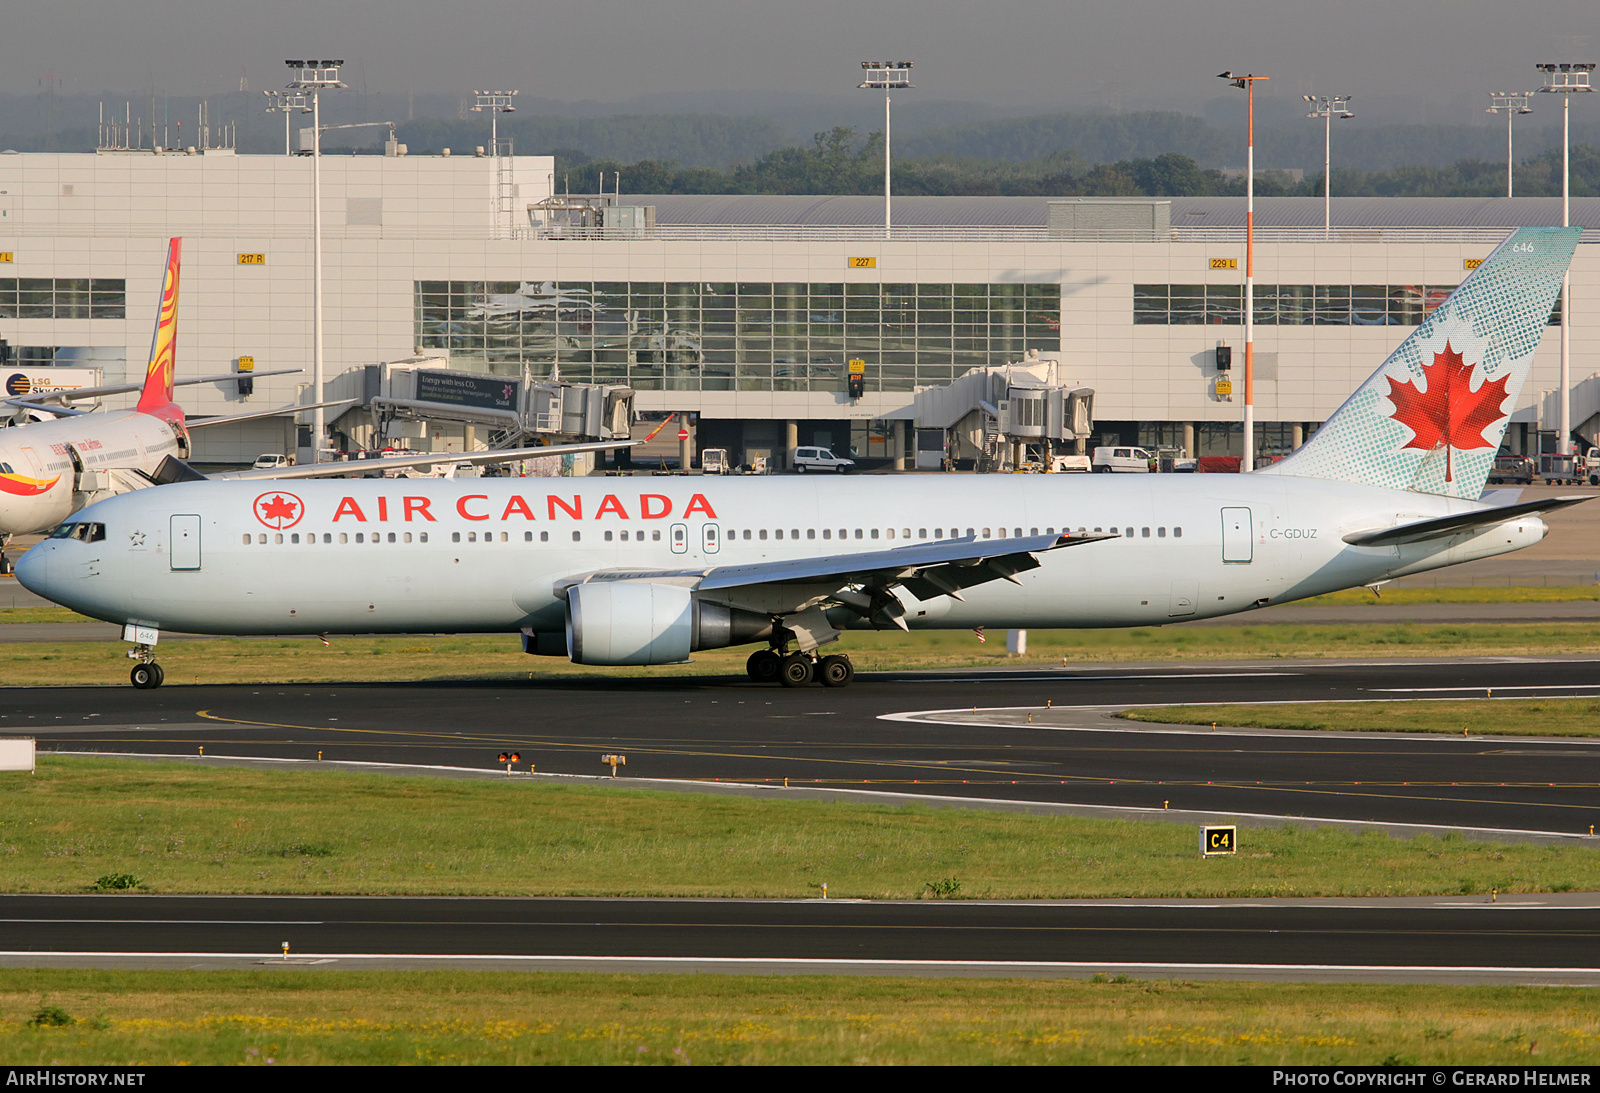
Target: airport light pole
1248,83
1510,105
286,103
1328,107
314,77
1566,80
890,76
496,103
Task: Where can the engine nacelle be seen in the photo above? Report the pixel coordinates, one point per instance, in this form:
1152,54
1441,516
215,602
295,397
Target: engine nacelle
637,622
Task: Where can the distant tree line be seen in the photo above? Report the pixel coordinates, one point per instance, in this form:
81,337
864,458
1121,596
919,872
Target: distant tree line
841,161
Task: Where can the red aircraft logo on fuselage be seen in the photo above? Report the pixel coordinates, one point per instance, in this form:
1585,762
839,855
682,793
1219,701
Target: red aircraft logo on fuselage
279,510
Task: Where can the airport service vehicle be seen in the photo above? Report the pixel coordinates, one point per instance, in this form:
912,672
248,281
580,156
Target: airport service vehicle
646,571
1070,464
1115,460
820,459
271,461
1513,468
714,461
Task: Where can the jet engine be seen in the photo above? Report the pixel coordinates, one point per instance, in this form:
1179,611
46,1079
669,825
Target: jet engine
636,622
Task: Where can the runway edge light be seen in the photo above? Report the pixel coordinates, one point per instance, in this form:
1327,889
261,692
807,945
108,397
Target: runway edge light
1218,839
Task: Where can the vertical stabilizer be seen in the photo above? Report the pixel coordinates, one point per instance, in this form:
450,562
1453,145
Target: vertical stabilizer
1431,419
157,393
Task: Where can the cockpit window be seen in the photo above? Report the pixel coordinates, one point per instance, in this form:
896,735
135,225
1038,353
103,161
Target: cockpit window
83,530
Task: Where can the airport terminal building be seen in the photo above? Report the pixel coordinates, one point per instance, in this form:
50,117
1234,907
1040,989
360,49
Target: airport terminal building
741,313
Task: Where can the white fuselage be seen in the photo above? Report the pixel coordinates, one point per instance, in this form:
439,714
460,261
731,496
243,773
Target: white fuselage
57,467
448,556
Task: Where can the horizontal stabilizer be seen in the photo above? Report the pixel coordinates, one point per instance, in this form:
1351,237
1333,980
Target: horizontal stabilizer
40,401
257,414
1442,526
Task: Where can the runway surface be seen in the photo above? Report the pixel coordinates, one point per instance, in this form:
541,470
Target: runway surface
1459,940
913,733
959,735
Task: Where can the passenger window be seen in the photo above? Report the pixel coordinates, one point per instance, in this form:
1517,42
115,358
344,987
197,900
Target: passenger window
527,537
763,534
408,537
294,538
985,533
472,537
327,537
391,536
1161,533
455,537
246,538
1145,532
656,535
422,537
261,540
1177,533
544,536
811,533
1130,533
577,537
827,533
344,537
858,533
608,536
874,533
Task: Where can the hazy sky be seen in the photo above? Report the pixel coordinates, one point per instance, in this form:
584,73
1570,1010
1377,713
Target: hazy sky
1046,53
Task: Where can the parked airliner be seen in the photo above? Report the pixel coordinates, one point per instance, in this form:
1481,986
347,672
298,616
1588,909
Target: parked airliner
50,469
644,571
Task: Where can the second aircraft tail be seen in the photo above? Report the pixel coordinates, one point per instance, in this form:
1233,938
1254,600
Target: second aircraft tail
157,393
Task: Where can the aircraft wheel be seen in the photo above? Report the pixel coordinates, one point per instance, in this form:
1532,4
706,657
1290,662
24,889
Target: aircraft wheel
796,670
763,666
835,671
146,677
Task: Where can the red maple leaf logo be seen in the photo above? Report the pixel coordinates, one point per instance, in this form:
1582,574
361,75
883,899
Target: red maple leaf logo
279,510
1449,412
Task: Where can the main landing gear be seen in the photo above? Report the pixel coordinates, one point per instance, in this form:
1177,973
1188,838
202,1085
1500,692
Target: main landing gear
799,669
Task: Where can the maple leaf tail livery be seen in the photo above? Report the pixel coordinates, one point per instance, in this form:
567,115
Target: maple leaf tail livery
623,571
1432,418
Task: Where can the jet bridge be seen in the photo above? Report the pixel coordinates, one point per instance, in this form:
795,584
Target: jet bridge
1003,418
403,398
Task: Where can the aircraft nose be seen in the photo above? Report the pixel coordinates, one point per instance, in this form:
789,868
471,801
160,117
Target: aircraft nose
36,569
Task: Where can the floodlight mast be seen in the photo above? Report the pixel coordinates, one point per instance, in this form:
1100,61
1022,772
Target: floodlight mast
496,103
888,75
314,77
1328,107
1566,80
286,103
1510,104
1248,83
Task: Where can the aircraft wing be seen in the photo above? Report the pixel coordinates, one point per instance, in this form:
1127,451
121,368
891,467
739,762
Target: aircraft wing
1442,526
231,418
362,466
37,402
864,582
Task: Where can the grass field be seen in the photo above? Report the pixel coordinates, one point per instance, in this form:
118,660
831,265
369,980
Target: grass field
1512,717
186,828
305,660
316,1016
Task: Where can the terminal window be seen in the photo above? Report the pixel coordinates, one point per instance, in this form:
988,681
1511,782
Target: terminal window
1292,305
746,336
62,298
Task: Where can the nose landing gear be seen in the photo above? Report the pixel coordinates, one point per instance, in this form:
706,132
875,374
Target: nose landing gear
147,674
147,677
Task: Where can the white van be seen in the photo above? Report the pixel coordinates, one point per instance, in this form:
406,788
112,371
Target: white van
1121,461
271,461
819,459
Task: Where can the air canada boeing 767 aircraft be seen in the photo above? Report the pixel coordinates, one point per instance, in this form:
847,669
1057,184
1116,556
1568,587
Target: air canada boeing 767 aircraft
644,571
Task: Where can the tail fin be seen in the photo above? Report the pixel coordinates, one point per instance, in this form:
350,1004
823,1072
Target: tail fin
157,393
1431,419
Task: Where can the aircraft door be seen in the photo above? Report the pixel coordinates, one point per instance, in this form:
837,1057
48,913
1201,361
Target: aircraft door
680,538
1237,536
711,538
185,544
